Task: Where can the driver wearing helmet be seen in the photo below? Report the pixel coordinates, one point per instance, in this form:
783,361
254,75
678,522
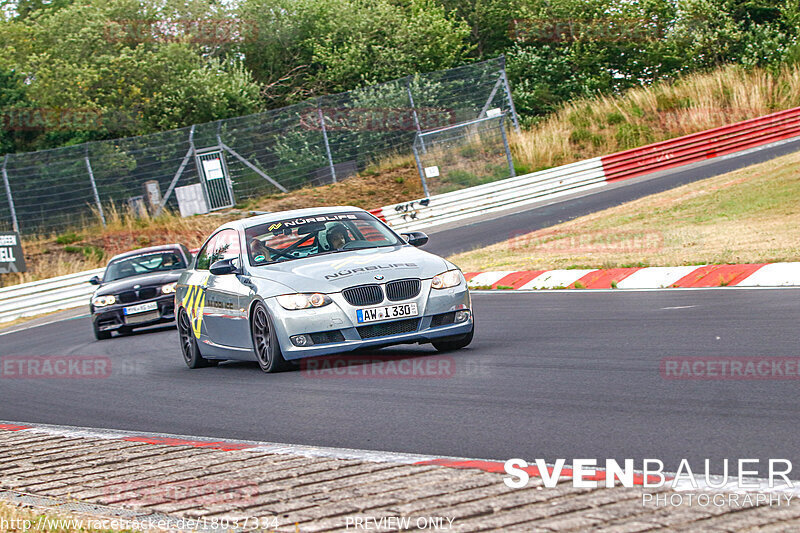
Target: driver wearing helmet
337,236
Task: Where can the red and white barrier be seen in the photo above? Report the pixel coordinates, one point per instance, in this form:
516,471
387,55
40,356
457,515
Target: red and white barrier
753,134
745,275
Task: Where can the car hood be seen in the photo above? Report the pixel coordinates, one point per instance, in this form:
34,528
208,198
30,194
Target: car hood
337,271
145,280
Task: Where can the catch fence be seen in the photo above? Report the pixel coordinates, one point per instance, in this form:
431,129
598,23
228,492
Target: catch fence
222,163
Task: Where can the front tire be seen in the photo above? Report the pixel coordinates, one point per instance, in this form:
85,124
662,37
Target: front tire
191,352
265,342
450,344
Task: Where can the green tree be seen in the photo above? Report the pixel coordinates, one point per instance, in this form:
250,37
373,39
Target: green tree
307,48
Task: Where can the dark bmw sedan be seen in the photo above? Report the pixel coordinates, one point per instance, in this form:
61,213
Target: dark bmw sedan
137,289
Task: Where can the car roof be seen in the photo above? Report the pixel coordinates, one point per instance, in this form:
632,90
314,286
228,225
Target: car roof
150,249
294,213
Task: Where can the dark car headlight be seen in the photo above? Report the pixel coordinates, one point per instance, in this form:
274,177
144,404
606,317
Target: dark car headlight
103,301
303,300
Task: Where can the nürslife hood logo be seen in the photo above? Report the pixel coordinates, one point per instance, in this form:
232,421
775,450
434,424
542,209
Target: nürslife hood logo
342,272
369,268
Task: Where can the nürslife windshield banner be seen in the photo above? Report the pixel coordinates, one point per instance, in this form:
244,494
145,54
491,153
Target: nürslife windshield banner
11,258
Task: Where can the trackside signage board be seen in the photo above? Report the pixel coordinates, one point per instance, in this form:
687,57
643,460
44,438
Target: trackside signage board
11,258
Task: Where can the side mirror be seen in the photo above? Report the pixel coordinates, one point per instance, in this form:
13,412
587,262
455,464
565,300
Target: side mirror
225,266
415,238
94,280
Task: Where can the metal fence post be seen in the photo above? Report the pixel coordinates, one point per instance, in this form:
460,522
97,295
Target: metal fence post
505,144
414,112
419,169
14,222
94,187
508,93
179,173
327,145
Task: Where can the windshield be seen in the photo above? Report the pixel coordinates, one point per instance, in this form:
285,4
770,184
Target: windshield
297,238
143,264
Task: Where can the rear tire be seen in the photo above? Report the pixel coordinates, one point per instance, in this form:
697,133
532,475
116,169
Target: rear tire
265,342
191,352
450,344
100,335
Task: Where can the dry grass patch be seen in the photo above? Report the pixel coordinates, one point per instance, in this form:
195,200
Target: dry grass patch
87,248
593,127
748,216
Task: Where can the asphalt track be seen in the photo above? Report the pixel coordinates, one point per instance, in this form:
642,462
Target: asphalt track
572,375
549,375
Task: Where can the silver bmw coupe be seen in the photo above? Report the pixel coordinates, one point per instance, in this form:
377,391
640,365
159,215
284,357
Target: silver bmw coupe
280,287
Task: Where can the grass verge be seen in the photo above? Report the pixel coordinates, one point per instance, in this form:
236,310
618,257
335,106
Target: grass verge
750,215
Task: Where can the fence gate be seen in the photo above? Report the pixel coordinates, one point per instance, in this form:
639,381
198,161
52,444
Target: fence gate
215,179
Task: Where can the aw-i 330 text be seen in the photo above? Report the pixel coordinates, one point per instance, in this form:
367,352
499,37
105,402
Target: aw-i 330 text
279,287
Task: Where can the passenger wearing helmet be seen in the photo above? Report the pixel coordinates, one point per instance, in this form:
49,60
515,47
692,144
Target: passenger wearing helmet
337,236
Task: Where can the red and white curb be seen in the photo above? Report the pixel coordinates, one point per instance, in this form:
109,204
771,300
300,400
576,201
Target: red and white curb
566,472
695,276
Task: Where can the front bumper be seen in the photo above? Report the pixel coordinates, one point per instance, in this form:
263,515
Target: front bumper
111,318
336,323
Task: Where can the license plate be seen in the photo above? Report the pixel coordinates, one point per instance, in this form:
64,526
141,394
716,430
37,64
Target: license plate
141,308
388,312
141,318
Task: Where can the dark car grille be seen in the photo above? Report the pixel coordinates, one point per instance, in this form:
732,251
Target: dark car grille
147,293
363,295
127,297
388,328
403,289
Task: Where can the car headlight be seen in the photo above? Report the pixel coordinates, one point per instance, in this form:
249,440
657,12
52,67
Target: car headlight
303,301
169,288
445,280
102,301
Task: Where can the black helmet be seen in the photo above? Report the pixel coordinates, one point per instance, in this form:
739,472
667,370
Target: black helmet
337,228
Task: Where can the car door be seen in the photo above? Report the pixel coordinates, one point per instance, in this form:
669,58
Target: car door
226,322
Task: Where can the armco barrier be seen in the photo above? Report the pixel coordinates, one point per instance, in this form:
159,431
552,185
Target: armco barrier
495,196
54,294
704,145
575,177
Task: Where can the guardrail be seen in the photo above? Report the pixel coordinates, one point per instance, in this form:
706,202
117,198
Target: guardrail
44,296
495,196
597,172
703,145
